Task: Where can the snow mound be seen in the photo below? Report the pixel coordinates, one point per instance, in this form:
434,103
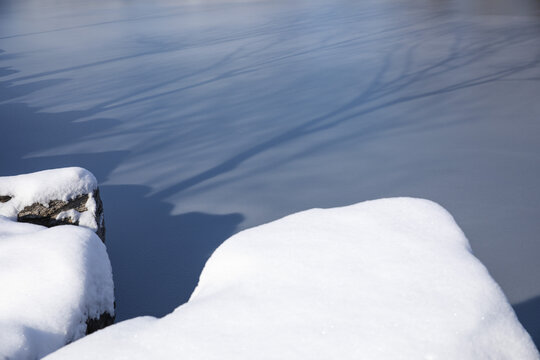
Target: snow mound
44,186
52,280
384,279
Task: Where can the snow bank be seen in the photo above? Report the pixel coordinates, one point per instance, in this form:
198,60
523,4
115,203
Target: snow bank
385,279
51,279
44,186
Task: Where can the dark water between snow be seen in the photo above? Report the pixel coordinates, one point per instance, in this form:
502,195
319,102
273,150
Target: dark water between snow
201,118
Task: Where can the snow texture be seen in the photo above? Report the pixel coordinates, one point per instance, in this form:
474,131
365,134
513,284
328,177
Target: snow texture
52,279
86,218
385,279
43,186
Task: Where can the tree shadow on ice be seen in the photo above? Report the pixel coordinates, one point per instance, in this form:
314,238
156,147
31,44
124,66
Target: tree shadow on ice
157,258
27,130
381,93
528,313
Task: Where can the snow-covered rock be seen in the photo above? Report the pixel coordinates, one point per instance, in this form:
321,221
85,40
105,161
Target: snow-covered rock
54,197
55,285
385,279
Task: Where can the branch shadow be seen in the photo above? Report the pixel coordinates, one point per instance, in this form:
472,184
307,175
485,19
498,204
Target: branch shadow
26,129
380,94
156,257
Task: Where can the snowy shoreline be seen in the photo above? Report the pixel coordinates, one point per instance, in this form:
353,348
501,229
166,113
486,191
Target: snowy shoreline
56,279
384,279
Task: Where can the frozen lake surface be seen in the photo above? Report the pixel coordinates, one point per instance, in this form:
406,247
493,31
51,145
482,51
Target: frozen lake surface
202,118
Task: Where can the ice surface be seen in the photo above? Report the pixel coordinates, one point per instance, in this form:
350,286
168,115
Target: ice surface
52,280
44,186
215,108
202,118
385,279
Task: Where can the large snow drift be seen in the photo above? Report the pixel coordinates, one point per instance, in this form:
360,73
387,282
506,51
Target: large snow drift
51,281
385,279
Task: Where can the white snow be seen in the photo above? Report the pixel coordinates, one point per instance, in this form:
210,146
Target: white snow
72,214
51,279
384,279
86,218
44,186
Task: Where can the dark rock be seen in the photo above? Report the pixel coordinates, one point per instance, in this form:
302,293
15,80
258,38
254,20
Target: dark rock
99,216
46,215
103,321
4,198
